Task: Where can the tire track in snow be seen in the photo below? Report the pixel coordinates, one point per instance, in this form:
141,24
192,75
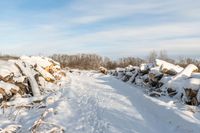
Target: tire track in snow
86,106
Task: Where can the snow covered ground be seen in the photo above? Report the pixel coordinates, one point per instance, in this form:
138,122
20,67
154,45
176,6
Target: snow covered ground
90,102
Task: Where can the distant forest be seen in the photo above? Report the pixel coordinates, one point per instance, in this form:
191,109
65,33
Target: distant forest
94,61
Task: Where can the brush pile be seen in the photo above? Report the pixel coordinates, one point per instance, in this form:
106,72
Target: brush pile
164,78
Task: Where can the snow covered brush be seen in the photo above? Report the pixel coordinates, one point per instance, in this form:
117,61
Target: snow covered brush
164,78
28,76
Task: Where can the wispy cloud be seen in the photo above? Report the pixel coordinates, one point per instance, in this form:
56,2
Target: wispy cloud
112,28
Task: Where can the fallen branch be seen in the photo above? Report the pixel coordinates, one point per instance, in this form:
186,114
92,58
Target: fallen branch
40,121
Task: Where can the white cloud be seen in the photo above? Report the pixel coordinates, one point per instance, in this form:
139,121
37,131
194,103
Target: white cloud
58,30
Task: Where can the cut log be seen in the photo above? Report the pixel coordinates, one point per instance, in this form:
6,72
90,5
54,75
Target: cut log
26,70
8,78
7,87
135,73
191,96
144,69
127,76
154,77
47,76
186,73
7,90
168,68
171,92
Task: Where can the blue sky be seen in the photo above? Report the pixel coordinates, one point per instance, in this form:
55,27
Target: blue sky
112,28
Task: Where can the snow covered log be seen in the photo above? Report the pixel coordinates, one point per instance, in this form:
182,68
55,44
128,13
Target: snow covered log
135,73
120,72
130,68
186,73
144,68
44,62
190,97
8,69
154,79
27,71
46,75
168,68
7,90
8,78
186,89
127,76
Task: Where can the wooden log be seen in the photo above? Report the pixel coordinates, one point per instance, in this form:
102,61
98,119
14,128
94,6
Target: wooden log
47,76
186,73
7,90
132,78
144,69
103,70
168,68
191,97
26,70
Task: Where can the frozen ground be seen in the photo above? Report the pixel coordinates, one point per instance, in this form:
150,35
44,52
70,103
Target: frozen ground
93,103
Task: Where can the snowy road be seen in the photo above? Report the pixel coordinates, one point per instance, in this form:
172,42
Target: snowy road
103,104
94,103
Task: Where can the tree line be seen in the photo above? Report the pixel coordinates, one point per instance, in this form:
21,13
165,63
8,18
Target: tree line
94,61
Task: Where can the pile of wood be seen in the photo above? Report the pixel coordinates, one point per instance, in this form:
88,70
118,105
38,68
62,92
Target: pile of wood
164,78
103,70
28,76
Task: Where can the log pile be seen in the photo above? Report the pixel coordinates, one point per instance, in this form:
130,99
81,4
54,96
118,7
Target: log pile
164,78
28,76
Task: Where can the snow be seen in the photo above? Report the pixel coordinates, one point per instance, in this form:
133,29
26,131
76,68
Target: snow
120,69
89,102
41,61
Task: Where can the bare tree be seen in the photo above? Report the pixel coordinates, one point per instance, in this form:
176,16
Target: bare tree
163,55
152,56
